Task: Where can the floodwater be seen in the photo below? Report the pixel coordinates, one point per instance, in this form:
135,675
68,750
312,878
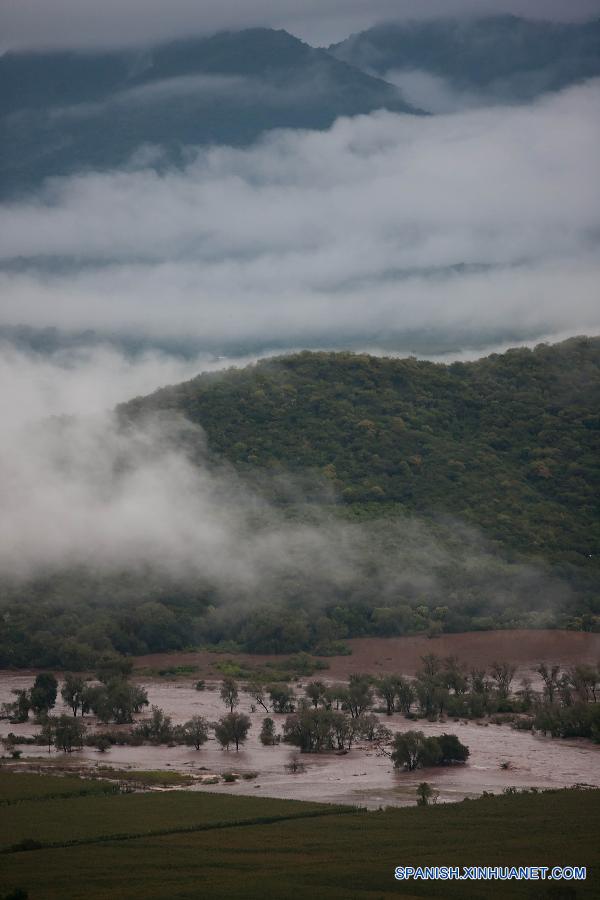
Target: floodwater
361,776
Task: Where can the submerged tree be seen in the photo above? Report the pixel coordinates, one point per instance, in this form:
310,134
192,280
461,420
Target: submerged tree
158,728
195,731
503,674
426,794
268,735
43,693
257,691
230,693
72,692
232,729
282,698
412,750
68,733
387,689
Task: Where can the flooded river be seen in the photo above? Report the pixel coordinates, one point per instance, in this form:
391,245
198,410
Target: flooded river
362,776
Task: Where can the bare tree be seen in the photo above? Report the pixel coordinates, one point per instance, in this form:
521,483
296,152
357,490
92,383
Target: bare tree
550,678
503,674
256,690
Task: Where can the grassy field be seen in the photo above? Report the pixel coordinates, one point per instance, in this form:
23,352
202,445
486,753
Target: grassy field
17,787
190,845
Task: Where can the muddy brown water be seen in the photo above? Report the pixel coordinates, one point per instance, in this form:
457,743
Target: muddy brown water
360,777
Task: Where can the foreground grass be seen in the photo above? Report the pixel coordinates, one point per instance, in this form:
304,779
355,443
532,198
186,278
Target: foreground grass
224,846
78,819
18,787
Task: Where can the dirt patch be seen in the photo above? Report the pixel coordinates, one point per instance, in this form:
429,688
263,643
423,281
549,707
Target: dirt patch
523,648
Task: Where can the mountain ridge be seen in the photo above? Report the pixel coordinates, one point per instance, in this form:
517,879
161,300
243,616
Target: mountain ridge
501,58
426,436
64,111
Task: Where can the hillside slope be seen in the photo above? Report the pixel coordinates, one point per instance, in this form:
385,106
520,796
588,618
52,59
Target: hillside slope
351,495
510,442
502,58
62,112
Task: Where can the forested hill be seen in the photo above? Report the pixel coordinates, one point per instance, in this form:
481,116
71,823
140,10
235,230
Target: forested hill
510,442
442,498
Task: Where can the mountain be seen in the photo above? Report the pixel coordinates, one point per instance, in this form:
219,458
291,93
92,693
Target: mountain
501,58
510,443
387,496
62,112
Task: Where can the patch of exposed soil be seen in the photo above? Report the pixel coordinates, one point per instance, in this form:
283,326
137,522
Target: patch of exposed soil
523,648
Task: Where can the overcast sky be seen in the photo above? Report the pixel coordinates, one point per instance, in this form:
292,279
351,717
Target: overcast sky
90,23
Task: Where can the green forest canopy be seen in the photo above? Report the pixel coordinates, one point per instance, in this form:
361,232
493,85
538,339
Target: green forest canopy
510,443
493,463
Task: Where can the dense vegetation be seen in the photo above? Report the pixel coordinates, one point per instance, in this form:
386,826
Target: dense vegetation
510,442
448,498
174,843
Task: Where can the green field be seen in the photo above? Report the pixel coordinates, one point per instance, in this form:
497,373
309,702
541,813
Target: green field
181,844
15,788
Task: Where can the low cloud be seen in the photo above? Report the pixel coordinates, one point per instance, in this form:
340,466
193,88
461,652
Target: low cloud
385,231
87,379
432,92
90,497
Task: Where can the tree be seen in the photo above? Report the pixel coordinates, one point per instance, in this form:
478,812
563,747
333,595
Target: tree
405,694
411,749
158,728
359,695
68,733
526,694
335,693
550,678
116,701
454,675
426,794
230,693
368,724
387,688
295,765
113,668
47,732
232,729
18,711
316,692
103,743
310,729
195,732
430,686
72,692
432,665
282,698
584,679
43,693
268,735
88,698
257,692
503,674
451,749
374,731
